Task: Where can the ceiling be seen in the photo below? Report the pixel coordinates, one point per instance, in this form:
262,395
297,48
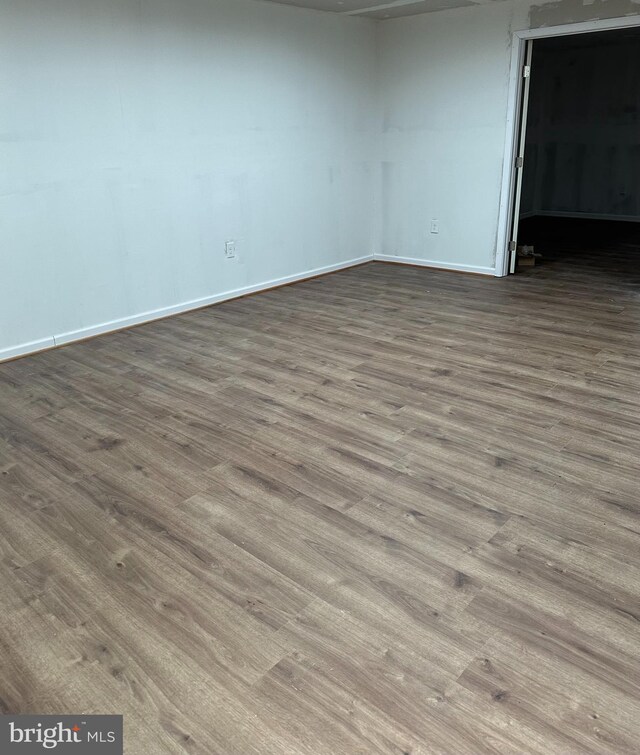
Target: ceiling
381,9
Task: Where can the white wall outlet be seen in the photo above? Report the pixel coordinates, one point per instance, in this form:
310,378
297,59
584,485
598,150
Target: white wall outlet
230,249
435,226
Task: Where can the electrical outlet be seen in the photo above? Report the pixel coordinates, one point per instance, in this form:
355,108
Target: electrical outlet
230,249
435,226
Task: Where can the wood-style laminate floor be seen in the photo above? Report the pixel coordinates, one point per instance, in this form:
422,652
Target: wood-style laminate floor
392,510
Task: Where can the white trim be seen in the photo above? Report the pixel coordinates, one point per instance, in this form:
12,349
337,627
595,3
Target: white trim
515,84
587,215
436,264
520,145
157,314
508,166
27,348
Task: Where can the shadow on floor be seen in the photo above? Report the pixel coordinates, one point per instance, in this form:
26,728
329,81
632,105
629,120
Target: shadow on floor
595,246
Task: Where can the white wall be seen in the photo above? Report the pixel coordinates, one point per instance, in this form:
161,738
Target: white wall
136,137
444,106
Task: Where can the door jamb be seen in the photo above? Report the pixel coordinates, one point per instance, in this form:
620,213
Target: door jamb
514,102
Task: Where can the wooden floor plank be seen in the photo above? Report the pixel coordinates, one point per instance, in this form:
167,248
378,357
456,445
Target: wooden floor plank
390,510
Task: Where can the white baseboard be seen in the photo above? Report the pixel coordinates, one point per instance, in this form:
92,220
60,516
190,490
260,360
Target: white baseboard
436,264
27,348
126,322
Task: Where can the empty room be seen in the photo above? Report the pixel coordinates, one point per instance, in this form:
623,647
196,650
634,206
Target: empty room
319,394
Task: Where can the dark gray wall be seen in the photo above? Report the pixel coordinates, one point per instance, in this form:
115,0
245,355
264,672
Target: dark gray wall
583,135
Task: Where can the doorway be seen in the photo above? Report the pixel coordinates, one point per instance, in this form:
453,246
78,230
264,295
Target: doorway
573,158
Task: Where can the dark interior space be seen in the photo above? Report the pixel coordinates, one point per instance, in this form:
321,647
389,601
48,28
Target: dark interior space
581,181
607,247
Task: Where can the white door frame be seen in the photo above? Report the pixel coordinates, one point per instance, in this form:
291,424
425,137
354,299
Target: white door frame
507,193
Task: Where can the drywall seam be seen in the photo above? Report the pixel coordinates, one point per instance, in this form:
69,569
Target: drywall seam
577,11
157,314
383,6
436,264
